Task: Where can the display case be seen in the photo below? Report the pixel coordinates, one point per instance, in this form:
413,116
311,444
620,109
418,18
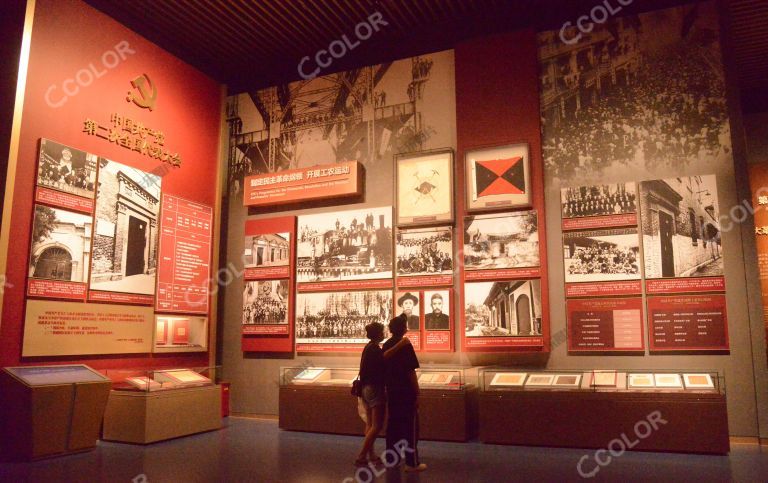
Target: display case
447,404
50,410
146,406
180,333
160,379
601,380
587,408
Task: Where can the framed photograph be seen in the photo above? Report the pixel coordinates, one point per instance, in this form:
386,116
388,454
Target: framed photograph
601,255
502,309
267,250
424,251
698,381
640,381
66,169
345,245
265,302
125,237
567,380
437,310
540,380
61,245
340,317
681,227
508,240
668,380
498,177
509,379
424,188
603,379
598,200
409,303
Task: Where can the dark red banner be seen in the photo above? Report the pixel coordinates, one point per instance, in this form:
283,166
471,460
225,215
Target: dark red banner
249,329
425,281
63,200
500,274
495,343
603,289
56,289
313,183
605,325
120,298
685,285
591,222
688,323
345,285
184,264
266,273
438,341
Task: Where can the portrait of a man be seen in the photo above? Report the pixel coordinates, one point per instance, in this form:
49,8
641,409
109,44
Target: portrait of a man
409,304
439,318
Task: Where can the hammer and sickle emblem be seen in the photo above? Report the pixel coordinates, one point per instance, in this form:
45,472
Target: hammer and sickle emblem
147,94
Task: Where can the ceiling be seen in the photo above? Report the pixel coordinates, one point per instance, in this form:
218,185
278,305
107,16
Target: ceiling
248,44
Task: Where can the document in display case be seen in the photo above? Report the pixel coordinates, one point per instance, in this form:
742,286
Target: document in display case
510,379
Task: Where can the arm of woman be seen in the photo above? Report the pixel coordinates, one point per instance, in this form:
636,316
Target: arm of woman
395,348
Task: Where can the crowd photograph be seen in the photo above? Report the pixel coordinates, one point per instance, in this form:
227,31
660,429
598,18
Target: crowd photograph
66,169
348,245
602,255
599,200
665,106
424,251
265,302
340,317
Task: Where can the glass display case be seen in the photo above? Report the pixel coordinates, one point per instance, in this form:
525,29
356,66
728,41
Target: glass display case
318,376
52,375
161,379
518,379
437,377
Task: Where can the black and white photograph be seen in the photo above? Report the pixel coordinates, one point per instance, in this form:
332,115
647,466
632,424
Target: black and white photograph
61,245
599,200
126,234
437,310
508,240
636,94
340,317
681,228
424,251
601,255
66,169
267,250
424,188
265,302
498,177
366,114
408,303
345,245
502,309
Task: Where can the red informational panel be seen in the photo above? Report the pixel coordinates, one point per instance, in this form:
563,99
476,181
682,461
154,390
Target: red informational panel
184,264
337,180
268,294
497,111
688,323
758,181
614,324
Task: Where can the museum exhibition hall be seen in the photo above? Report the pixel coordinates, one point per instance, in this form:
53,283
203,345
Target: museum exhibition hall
552,213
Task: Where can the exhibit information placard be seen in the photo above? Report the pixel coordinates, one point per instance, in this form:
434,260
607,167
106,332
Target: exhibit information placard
72,328
185,256
338,180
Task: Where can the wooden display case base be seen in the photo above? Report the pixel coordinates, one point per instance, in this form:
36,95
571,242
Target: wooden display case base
444,415
143,418
669,422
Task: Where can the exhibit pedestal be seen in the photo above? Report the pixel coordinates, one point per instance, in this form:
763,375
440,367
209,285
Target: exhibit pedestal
148,417
40,421
649,421
444,415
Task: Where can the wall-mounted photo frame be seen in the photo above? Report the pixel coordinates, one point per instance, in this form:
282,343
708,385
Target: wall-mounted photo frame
498,177
424,188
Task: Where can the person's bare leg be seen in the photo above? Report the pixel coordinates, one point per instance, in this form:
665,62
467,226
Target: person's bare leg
373,431
378,418
368,425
